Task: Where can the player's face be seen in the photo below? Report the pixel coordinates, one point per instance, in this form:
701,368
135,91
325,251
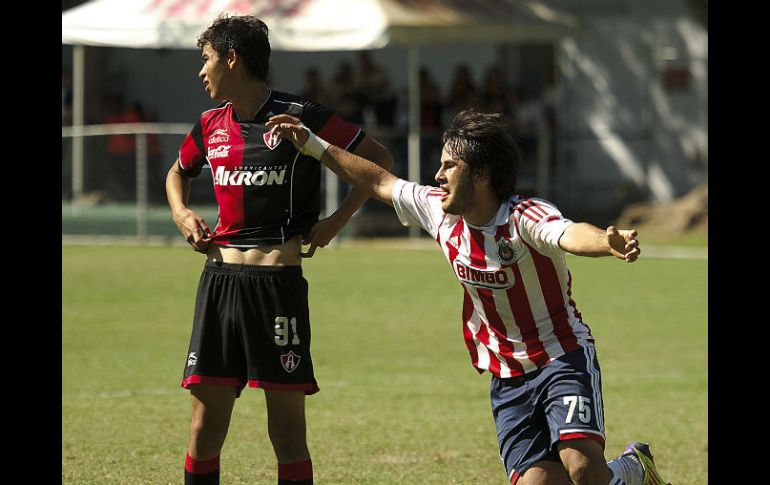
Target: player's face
213,73
454,178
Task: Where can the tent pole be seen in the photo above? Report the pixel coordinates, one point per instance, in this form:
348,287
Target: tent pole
414,123
78,100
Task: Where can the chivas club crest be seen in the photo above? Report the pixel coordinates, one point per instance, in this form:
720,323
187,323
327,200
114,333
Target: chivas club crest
290,361
505,250
271,140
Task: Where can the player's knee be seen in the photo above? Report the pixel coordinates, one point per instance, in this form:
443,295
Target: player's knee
583,471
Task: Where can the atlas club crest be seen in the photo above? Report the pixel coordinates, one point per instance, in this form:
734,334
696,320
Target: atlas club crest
290,361
505,250
271,139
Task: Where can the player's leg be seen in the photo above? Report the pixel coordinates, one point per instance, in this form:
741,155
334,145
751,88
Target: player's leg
523,434
584,460
214,372
212,408
575,411
287,430
544,472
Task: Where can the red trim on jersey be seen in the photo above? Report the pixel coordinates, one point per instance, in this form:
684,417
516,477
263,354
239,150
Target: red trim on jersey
478,254
522,315
338,131
524,207
456,233
483,336
573,436
498,328
554,300
201,467
214,381
537,208
308,388
572,302
552,218
467,334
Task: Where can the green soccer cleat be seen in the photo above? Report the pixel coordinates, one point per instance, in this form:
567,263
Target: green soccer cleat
644,455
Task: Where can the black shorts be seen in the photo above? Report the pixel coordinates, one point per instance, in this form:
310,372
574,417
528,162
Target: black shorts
251,326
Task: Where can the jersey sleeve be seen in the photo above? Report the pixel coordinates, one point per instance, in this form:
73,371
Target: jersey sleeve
331,127
418,205
540,223
192,152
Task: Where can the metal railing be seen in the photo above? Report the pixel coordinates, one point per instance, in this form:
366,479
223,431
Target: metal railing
89,175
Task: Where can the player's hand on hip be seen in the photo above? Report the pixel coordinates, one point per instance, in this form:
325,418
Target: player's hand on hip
623,243
289,127
194,229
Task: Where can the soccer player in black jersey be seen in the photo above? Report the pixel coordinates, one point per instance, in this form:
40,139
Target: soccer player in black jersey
251,324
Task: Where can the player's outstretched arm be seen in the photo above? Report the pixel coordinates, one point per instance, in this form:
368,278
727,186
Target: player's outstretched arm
357,171
585,239
190,224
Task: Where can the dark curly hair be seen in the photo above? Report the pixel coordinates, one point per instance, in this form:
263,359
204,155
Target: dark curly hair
482,140
247,35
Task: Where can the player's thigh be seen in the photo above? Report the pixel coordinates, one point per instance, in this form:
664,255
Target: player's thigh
584,454
285,411
544,472
212,402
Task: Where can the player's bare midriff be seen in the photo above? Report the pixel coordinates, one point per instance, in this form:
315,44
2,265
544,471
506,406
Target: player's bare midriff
286,254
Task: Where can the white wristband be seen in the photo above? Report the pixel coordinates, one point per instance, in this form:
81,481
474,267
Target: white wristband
314,146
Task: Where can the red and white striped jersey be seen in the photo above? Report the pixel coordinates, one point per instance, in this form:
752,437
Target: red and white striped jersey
518,313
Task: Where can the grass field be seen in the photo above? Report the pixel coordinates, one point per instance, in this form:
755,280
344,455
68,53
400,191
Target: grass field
399,401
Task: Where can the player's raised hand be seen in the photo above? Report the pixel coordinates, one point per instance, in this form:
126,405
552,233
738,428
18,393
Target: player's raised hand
623,243
289,127
194,229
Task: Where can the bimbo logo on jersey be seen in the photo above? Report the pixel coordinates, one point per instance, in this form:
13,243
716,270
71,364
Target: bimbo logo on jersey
497,279
249,177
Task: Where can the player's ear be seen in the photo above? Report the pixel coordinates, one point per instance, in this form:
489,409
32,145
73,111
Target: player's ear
232,57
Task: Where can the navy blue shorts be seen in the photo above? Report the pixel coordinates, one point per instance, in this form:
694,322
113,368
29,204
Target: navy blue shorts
533,412
251,327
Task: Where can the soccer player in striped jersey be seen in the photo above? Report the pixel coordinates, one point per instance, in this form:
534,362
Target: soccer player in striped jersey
251,324
520,321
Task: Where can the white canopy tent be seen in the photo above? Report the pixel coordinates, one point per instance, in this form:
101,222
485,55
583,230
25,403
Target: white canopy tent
312,25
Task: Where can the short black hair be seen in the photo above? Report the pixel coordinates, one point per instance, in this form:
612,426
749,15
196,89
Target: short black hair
247,35
483,141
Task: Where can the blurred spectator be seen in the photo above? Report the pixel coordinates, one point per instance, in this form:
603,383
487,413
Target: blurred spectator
119,171
374,89
314,89
531,115
430,103
66,98
551,98
344,97
156,165
462,94
494,95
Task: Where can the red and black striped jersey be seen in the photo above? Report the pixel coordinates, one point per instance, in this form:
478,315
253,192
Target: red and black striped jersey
267,192
518,312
